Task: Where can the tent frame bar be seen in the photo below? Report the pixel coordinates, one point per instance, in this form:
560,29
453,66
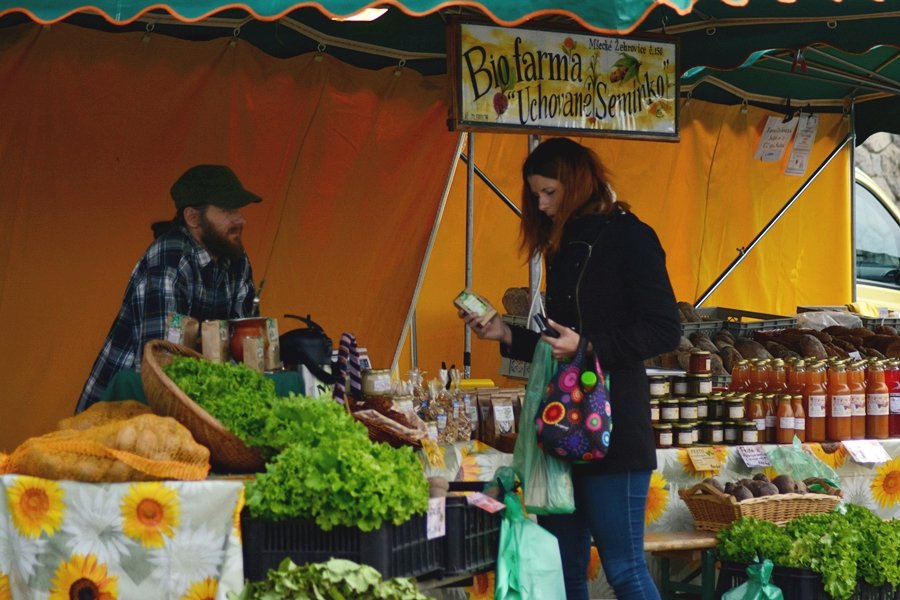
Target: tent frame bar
493,187
743,252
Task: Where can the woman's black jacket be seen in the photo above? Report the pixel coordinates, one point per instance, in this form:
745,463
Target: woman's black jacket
624,304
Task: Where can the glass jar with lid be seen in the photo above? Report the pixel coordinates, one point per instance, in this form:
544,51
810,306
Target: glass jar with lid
712,432
663,432
668,410
687,410
683,434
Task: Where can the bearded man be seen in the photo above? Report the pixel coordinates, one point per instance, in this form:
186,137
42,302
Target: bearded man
196,266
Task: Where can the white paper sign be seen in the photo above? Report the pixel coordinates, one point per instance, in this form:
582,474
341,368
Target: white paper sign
436,521
754,456
775,138
866,451
803,143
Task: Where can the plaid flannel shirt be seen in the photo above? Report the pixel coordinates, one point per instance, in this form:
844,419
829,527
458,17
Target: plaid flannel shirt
176,274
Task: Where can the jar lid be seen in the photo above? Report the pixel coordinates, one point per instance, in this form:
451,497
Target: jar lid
699,351
670,400
688,401
714,423
662,426
683,425
699,376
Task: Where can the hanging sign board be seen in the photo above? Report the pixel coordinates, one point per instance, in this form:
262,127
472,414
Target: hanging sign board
571,83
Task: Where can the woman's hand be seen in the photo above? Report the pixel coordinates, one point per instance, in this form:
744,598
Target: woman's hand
495,329
566,344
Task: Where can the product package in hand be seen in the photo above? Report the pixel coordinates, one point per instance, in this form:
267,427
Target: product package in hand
473,304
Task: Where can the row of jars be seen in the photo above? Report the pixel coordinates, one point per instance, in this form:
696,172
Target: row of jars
841,398
684,435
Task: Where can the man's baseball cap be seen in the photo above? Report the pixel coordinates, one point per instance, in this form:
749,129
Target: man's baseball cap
211,184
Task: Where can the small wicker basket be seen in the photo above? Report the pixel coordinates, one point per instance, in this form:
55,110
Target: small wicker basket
227,452
714,510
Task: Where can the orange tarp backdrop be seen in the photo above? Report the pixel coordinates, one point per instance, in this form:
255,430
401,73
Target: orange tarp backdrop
704,195
95,127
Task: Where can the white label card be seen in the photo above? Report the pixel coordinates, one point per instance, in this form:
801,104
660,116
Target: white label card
866,451
754,456
436,521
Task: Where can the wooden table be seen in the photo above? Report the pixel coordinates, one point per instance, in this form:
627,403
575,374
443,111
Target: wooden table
695,547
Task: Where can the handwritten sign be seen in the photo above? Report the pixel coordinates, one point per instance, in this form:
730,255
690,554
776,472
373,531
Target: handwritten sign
775,138
754,456
866,451
803,143
436,519
535,80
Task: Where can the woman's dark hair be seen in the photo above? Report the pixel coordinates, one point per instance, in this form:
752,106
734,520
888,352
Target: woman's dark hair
585,191
161,227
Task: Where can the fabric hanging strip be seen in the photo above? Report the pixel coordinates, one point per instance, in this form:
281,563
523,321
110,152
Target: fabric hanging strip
348,367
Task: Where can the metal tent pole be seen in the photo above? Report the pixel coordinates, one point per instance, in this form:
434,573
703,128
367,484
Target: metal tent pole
470,228
743,252
852,117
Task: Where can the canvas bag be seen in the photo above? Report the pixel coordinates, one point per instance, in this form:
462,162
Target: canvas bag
574,420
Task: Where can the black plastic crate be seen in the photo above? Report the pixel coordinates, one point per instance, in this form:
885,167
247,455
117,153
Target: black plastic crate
742,322
473,538
799,584
393,550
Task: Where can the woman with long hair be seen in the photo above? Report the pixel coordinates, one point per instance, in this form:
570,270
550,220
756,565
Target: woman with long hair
607,282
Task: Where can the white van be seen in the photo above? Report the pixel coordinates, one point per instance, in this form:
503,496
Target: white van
877,239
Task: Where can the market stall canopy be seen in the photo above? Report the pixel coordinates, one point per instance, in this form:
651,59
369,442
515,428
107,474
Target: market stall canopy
829,56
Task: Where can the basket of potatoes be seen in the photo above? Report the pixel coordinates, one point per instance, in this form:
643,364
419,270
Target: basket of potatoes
715,505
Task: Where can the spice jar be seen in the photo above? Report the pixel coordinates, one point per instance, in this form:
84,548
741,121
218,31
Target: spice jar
687,410
712,432
699,385
654,411
663,432
659,386
683,434
668,410
749,432
679,385
699,362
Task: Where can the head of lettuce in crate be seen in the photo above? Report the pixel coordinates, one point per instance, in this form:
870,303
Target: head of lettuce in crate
196,266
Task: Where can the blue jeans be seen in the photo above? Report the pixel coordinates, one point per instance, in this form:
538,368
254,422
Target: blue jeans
609,508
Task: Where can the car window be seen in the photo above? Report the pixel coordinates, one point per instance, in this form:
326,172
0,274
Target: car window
877,240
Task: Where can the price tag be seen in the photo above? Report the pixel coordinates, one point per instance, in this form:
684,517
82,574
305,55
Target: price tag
436,520
754,456
485,502
704,458
866,451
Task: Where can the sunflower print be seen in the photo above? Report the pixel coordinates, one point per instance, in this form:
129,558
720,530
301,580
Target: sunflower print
83,577
593,570
687,465
886,485
482,587
5,592
657,498
832,455
150,511
202,590
36,506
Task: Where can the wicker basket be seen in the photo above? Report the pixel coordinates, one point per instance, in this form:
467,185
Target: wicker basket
227,452
714,510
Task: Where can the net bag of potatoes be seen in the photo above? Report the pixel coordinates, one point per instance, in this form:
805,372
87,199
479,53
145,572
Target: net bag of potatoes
141,448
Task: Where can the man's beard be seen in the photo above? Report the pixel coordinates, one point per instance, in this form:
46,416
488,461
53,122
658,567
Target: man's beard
218,244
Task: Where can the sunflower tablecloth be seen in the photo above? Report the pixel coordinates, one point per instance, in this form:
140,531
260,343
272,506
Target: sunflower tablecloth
176,540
